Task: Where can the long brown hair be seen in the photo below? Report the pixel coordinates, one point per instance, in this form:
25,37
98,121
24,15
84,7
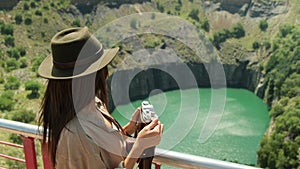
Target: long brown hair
61,102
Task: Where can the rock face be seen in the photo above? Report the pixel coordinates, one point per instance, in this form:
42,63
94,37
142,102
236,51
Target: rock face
8,4
235,6
133,84
252,8
85,6
267,9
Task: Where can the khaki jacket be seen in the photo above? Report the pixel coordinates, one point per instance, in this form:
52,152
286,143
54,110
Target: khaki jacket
87,143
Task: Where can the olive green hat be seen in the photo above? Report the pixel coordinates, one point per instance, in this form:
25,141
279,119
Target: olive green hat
75,53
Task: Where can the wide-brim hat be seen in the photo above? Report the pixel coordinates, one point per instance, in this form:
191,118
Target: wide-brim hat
75,53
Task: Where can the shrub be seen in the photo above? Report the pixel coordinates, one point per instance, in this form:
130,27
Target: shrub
45,20
205,25
153,16
11,64
38,13
133,23
194,14
32,5
220,36
13,53
1,79
46,7
23,62
26,6
28,20
43,34
9,94
22,51
178,7
238,31
255,45
18,19
267,44
12,83
76,22
160,7
263,25
9,40
6,104
24,116
15,139
34,86
36,63
285,30
6,100
1,23
7,29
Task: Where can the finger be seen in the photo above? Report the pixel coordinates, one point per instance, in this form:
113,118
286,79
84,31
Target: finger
156,129
161,129
136,115
152,124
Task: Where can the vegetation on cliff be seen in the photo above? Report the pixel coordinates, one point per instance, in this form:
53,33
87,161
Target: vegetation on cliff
280,147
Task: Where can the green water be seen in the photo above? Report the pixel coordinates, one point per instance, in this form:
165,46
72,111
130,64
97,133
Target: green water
236,136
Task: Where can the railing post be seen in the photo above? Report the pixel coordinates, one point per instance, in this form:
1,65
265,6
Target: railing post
157,166
46,159
29,151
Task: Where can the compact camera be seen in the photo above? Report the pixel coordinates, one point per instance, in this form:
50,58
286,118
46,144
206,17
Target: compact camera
147,114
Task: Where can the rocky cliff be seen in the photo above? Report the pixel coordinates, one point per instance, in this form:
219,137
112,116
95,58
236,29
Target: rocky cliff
252,8
138,83
8,4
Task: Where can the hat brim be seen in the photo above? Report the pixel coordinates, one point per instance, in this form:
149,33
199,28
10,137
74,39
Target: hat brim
48,71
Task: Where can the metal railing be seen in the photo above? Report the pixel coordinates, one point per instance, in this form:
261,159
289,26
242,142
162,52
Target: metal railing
29,133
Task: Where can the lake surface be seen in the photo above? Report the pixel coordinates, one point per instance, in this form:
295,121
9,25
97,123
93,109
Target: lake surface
237,120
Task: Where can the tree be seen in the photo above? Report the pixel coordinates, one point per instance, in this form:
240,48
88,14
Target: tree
263,25
34,86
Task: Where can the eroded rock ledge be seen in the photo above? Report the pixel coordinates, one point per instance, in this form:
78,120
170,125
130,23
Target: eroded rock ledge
132,84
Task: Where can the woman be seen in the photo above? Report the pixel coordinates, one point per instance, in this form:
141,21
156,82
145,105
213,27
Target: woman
77,126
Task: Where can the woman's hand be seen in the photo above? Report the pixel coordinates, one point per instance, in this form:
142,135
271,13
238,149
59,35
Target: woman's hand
150,135
130,127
